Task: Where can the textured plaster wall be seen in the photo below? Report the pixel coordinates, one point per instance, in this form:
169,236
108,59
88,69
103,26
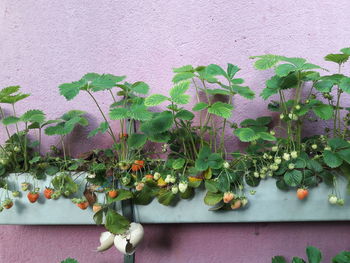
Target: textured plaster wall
45,43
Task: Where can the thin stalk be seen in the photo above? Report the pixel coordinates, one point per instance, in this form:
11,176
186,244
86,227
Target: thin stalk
2,117
104,116
64,151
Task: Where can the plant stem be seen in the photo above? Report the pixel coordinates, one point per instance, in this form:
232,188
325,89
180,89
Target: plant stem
2,117
103,115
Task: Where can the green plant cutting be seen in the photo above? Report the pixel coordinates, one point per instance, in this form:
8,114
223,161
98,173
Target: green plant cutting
165,146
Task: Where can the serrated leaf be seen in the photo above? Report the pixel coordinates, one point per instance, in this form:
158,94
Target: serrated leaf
345,155
178,163
345,85
184,115
115,223
332,159
216,70
139,112
181,99
105,82
337,58
284,69
166,197
122,195
323,111
155,100
159,124
246,134
8,91
10,120
118,113
140,87
245,91
278,259
183,69
12,99
200,106
211,186
232,70
212,198
266,136
346,50
137,140
33,116
183,76
293,178
71,90
221,109
313,254
179,89
266,61
324,85
217,91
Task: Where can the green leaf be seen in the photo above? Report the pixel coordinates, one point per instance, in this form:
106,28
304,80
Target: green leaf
98,217
71,90
105,82
181,99
10,120
266,136
136,140
69,260
200,106
51,170
118,113
284,69
221,109
183,76
12,99
216,70
184,115
324,85
345,85
266,61
345,155
337,58
278,259
179,89
246,134
346,50
211,186
140,87
297,62
139,112
115,223
34,159
8,91
186,68
212,198
344,256
122,195
314,165
245,92
33,116
298,260
217,91
313,254
155,100
293,178
166,197
103,127
178,163
337,143
323,111
272,87
332,159
232,70
159,124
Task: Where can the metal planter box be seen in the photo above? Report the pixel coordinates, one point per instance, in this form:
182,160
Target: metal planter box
269,204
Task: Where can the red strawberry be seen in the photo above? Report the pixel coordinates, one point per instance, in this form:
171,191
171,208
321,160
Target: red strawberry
33,196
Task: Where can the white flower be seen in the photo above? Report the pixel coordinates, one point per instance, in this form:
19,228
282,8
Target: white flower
274,148
278,160
256,175
291,166
314,146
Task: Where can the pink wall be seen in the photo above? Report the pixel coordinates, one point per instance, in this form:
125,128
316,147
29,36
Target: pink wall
45,43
